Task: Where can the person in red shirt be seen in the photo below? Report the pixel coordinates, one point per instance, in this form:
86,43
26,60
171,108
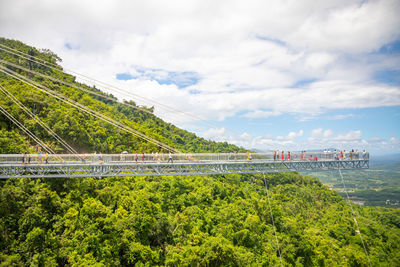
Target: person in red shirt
283,155
288,155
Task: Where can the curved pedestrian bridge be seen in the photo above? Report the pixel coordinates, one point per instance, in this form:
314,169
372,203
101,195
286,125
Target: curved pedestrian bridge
103,165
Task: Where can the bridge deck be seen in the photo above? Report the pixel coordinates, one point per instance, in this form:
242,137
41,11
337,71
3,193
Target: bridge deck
12,166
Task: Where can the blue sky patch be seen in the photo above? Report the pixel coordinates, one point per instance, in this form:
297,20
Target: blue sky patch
388,76
273,40
180,79
302,83
70,46
391,48
124,76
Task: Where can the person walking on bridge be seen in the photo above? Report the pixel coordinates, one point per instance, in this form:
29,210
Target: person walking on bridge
83,159
100,158
170,158
39,157
283,156
274,154
248,156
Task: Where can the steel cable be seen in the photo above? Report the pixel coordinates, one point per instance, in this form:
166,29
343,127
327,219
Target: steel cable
39,121
354,218
83,108
25,130
87,78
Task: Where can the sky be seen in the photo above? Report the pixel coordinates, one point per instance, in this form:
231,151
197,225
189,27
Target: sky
266,75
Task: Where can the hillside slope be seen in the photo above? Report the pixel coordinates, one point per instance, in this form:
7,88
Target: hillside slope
175,221
82,131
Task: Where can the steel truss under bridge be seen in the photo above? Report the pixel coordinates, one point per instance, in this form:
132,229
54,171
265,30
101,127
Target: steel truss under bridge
103,169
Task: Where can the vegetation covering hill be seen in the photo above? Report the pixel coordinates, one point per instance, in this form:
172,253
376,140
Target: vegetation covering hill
174,221
189,221
82,131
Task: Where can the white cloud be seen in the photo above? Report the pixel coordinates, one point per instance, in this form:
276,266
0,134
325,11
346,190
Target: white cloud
342,116
266,142
317,61
294,135
351,136
357,26
245,136
328,133
217,134
246,56
320,133
352,139
256,58
260,114
394,141
316,132
375,140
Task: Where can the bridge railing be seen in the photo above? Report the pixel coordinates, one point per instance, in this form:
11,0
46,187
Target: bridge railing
188,157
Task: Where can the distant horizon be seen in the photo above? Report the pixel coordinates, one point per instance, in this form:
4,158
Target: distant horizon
372,153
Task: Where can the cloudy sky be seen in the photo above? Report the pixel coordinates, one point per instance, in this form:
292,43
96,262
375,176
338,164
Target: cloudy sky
263,74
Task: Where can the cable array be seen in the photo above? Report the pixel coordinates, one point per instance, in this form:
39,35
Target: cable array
55,67
83,108
25,130
73,86
272,219
38,120
354,218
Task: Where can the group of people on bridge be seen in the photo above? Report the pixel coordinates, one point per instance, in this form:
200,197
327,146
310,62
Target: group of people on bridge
152,157
156,157
26,159
325,155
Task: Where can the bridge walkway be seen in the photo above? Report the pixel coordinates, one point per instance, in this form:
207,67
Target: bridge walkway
104,165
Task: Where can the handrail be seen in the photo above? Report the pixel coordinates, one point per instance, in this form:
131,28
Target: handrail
181,157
